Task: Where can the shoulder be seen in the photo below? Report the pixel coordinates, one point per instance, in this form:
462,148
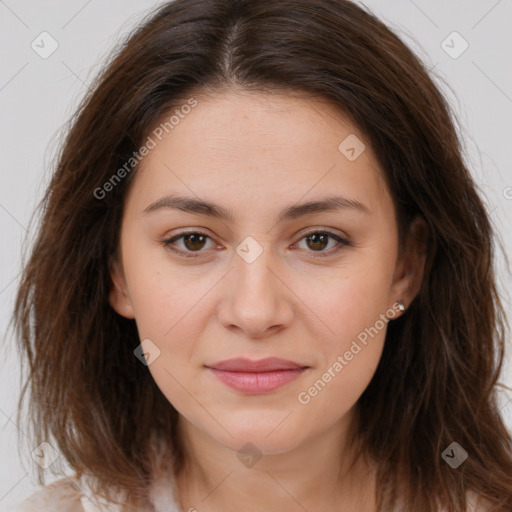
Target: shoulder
65,495
476,503
59,496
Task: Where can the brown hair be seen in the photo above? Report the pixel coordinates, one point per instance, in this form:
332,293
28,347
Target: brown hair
436,381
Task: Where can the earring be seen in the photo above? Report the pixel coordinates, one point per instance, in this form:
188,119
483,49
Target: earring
401,306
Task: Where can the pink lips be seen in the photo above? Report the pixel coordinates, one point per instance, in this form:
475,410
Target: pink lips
254,377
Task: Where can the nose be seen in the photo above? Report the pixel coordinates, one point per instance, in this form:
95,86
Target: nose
255,298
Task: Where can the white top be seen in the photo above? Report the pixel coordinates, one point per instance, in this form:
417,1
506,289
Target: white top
75,495
72,495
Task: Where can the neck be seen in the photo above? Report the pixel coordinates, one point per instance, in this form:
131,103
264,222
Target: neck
323,474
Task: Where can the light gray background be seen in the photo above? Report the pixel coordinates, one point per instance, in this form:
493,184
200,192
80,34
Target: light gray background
38,95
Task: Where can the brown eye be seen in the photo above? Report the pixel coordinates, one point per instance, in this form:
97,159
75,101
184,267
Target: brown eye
194,241
191,242
318,241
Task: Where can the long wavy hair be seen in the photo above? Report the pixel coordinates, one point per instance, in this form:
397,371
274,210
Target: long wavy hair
437,379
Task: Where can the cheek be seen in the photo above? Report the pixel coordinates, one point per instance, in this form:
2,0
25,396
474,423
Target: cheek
356,316
335,389
348,302
160,293
354,309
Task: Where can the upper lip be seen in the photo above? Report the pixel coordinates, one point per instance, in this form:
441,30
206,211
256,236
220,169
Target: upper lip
267,364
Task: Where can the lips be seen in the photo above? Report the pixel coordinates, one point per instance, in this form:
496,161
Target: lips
255,377
268,364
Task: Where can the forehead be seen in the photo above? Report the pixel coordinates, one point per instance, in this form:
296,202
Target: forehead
250,145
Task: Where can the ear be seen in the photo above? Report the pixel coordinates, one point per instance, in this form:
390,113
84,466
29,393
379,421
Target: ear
118,296
411,263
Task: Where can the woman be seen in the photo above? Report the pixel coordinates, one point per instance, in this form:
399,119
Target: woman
264,278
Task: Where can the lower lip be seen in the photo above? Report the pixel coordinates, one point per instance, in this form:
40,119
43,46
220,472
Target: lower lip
254,383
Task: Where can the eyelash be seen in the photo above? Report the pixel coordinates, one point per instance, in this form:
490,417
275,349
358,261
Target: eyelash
194,254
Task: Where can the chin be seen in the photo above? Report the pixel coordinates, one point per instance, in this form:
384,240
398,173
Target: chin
261,437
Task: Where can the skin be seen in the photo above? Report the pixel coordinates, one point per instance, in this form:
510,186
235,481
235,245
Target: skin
256,154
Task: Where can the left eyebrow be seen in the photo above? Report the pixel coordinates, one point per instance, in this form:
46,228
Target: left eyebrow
328,204
193,205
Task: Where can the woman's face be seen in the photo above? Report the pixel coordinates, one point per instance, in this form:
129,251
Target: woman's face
252,282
